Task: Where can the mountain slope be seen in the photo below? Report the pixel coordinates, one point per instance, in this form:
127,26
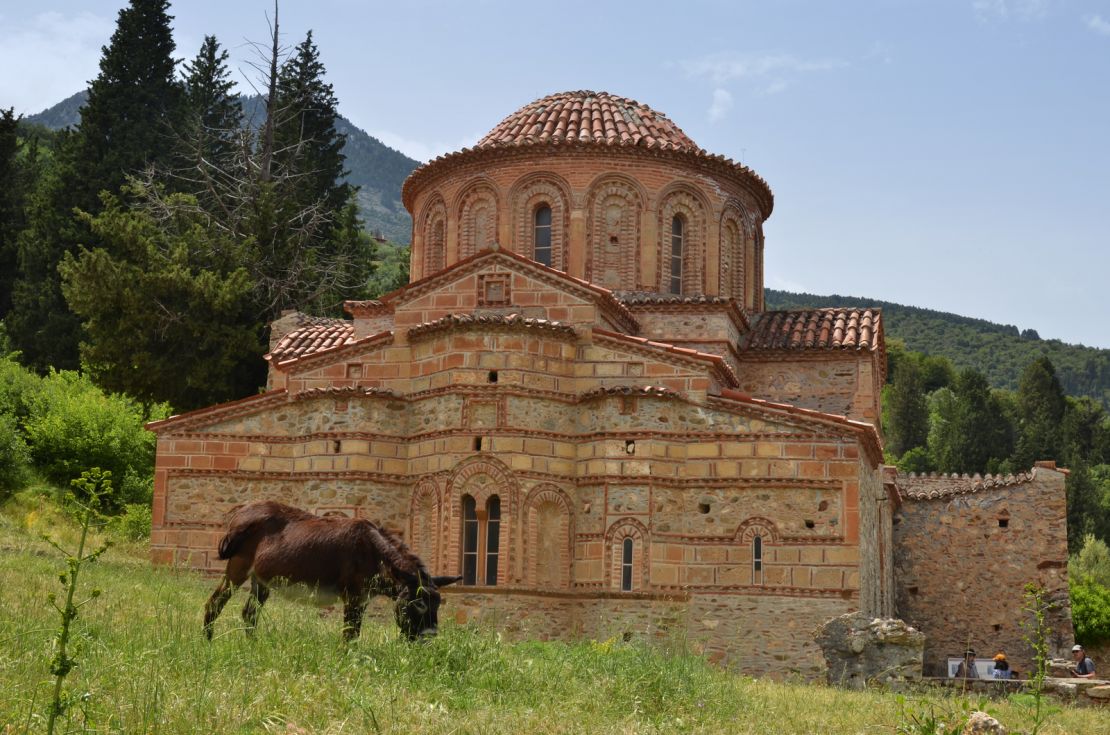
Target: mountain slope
375,168
999,351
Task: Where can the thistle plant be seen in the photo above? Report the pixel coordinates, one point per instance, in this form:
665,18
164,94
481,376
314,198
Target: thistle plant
1037,631
93,488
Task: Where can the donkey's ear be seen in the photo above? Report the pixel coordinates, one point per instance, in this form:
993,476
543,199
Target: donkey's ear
444,581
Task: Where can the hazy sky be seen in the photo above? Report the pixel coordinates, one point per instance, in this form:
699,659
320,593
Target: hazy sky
952,155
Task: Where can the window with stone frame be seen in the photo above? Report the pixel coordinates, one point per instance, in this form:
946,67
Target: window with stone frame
681,245
626,564
481,541
757,559
614,235
626,551
541,235
435,237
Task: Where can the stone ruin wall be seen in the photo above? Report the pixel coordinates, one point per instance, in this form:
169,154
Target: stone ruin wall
843,384
964,549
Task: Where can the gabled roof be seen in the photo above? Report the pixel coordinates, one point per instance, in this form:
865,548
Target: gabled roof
603,297
938,487
321,334
816,329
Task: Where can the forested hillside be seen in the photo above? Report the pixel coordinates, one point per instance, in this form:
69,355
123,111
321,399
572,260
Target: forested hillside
999,351
375,168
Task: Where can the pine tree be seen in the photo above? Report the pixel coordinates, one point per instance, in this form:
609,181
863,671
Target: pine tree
213,122
968,426
126,125
907,424
1041,407
305,138
11,204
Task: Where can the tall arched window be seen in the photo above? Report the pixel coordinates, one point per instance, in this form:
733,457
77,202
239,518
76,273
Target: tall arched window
626,565
493,538
542,235
469,541
481,541
757,560
678,226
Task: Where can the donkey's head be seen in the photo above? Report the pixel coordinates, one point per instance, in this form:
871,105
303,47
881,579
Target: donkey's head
417,605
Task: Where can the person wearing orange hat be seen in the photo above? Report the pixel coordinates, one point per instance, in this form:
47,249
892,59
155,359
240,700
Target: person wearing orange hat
1001,667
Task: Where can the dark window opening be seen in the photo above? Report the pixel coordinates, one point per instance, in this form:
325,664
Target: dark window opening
613,240
337,445
630,446
542,230
493,538
810,524
677,233
912,590
626,565
757,560
1003,522
703,507
492,377
470,541
823,505
997,627
477,444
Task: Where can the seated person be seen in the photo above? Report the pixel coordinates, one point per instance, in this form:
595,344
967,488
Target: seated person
1001,668
966,669
1084,667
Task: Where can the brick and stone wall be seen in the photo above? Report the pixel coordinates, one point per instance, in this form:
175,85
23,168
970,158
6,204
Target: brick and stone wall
964,550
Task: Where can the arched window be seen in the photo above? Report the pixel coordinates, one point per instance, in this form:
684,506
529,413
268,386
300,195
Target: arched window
493,537
626,565
469,541
541,237
757,560
481,541
678,226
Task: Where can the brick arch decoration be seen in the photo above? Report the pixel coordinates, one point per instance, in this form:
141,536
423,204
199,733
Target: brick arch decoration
433,231
478,213
682,200
526,196
614,205
480,477
733,261
547,538
754,526
641,553
424,522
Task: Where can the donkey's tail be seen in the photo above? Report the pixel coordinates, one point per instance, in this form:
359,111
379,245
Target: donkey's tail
232,542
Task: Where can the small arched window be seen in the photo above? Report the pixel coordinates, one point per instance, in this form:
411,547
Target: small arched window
493,538
542,235
757,560
626,565
469,541
678,232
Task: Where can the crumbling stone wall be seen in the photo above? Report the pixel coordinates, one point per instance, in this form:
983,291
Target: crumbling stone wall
965,547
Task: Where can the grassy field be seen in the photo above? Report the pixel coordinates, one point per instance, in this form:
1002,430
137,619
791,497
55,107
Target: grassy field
144,667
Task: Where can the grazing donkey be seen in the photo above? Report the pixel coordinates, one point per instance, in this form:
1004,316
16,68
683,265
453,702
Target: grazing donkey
276,545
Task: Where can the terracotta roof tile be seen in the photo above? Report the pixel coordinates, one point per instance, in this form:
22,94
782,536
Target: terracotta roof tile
933,486
816,329
630,298
319,333
588,117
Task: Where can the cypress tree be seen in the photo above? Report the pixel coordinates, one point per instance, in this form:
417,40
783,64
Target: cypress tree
11,204
908,417
305,138
1041,405
126,125
214,118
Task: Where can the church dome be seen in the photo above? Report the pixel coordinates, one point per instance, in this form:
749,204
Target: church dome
588,117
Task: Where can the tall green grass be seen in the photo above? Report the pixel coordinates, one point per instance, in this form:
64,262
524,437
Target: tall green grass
144,667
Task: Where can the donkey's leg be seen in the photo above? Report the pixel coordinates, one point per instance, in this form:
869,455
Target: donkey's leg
259,594
354,603
234,576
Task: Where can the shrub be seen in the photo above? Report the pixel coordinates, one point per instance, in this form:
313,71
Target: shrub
17,387
1090,611
134,523
13,456
1092,562
73,426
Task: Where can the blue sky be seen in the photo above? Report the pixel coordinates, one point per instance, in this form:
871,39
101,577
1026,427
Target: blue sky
952,155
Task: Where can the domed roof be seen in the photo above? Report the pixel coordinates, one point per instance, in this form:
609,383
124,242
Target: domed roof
588,117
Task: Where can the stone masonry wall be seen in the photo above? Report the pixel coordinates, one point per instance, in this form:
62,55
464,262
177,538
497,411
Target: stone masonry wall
964,550
845,383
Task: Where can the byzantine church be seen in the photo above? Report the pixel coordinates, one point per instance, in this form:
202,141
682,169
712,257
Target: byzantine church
580,405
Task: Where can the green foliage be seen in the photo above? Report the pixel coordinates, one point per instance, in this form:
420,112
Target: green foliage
916,460
170,313
1088,513
1036,607
94,488
1092,562
1090,611
968,428
73,427
932,717
214,116
14,457
905,414
391,269
134,523
1040,412
999,351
